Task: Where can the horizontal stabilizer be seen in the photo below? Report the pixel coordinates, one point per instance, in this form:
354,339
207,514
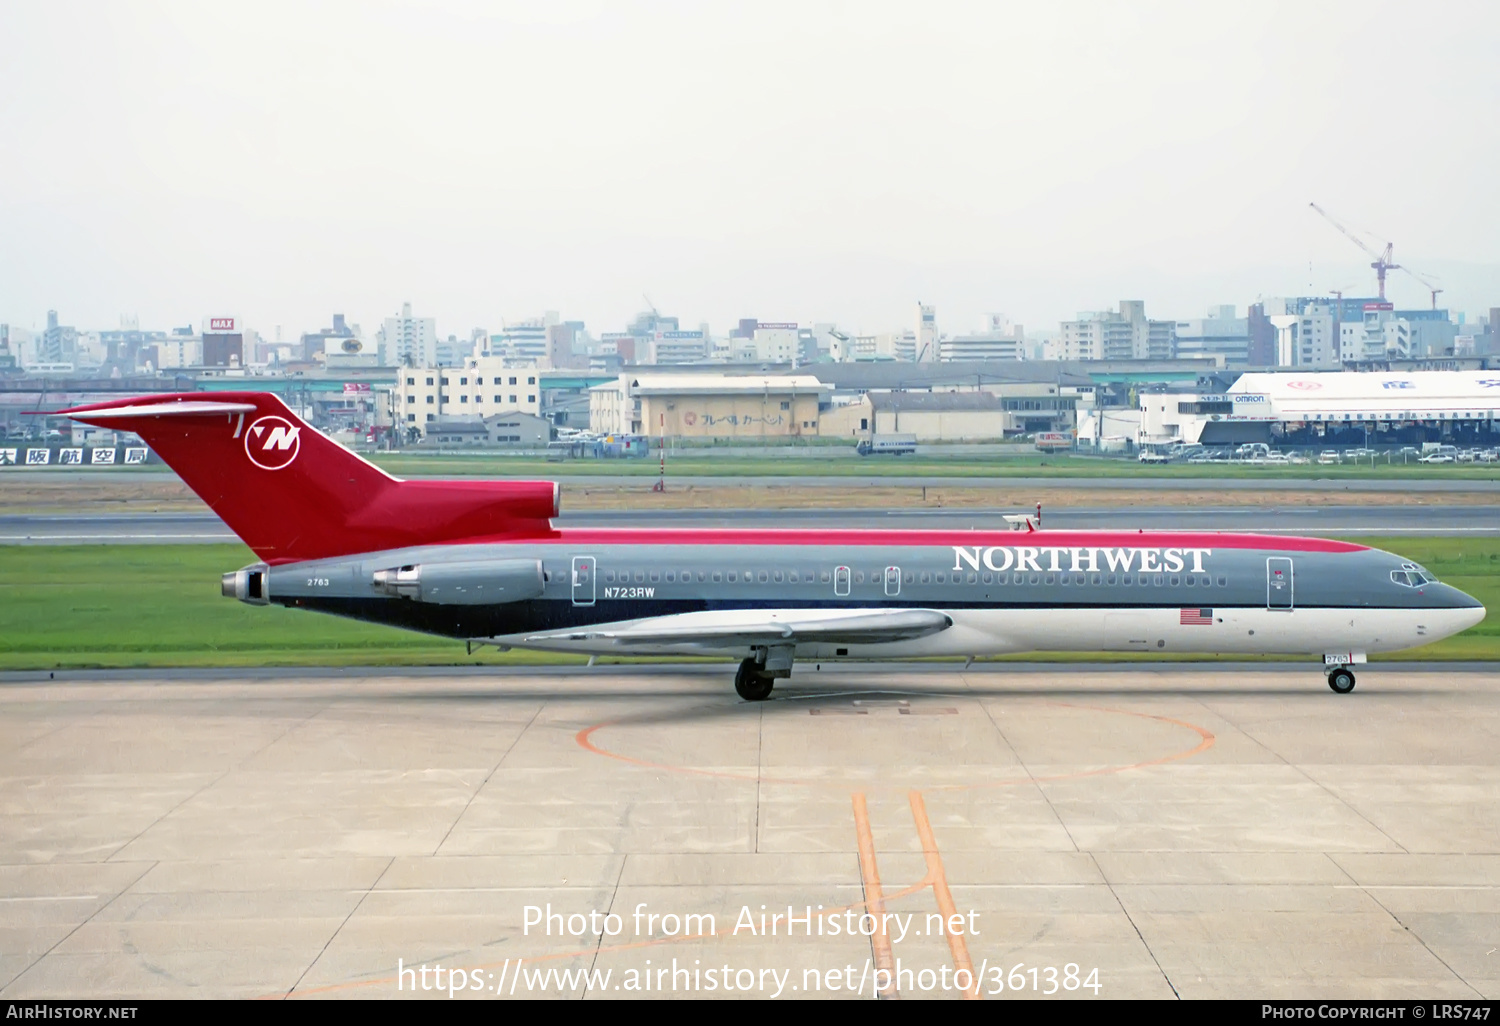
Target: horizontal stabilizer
182,409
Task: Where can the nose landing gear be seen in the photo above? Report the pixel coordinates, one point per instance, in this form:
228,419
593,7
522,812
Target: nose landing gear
1341,680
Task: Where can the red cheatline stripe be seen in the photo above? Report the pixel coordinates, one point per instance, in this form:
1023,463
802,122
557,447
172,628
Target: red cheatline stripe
1006,539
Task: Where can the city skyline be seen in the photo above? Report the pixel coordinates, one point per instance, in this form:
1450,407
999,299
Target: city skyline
806,162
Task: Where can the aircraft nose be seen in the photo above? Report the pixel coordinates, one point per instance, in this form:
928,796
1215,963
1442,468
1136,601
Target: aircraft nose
1470,609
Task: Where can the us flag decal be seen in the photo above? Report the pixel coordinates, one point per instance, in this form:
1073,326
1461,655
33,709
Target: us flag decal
1197,616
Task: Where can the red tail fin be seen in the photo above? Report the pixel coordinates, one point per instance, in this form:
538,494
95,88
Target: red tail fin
292,493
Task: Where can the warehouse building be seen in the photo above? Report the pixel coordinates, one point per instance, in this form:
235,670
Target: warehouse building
1022,408
709,405
1345,408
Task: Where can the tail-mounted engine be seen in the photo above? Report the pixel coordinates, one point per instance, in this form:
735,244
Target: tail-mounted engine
247,585
473,583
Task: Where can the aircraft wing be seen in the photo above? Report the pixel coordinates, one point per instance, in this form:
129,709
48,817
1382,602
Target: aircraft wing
864,627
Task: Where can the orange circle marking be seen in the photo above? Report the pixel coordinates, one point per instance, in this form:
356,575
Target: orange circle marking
1206,739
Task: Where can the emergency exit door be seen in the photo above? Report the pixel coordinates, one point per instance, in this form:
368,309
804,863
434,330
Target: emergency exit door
841,580
1279,583
583,580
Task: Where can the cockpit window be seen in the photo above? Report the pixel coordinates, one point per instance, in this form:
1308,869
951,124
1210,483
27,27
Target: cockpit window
1412,576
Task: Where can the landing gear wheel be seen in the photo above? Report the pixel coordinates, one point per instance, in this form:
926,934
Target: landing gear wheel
1341,680
751,684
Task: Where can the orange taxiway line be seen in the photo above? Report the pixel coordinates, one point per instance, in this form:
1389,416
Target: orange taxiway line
939,877
874,900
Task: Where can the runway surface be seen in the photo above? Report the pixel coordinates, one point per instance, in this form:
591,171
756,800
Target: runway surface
191,528
1205,831
1435,481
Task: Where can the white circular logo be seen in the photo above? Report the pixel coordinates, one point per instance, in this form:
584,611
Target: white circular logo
272,442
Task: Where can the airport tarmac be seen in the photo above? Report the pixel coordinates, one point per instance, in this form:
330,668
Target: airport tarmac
205,527
1193,831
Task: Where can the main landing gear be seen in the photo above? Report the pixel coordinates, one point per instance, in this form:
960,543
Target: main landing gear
752,683
1341,680
757,675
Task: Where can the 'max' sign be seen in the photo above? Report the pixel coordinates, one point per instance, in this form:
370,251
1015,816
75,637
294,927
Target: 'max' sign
1079,560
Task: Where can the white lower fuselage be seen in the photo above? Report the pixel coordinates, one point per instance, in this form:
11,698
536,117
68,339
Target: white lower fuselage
981,632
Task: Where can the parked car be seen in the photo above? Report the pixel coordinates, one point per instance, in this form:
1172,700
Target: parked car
1437,457
1328,456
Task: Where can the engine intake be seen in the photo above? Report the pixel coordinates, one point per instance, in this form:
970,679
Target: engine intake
472,583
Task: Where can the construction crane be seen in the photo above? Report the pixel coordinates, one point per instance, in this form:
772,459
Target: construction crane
1382,262
1429,285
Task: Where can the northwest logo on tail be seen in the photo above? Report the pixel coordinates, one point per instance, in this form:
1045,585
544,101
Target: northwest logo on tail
272,442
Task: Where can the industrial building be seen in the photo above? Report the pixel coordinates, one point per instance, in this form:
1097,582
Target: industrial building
512,430
970,416
1339,408
709,405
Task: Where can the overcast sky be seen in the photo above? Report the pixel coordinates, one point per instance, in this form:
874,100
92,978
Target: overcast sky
789,161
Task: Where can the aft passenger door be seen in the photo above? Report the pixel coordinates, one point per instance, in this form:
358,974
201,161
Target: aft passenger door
1279,583
583,580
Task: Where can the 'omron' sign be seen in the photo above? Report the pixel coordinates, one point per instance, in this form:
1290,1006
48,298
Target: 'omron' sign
1248,399
221,324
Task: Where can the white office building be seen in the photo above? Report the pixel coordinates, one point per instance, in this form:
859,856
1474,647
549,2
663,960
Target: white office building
1220,334
524,340
408,341
481,386
997,339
